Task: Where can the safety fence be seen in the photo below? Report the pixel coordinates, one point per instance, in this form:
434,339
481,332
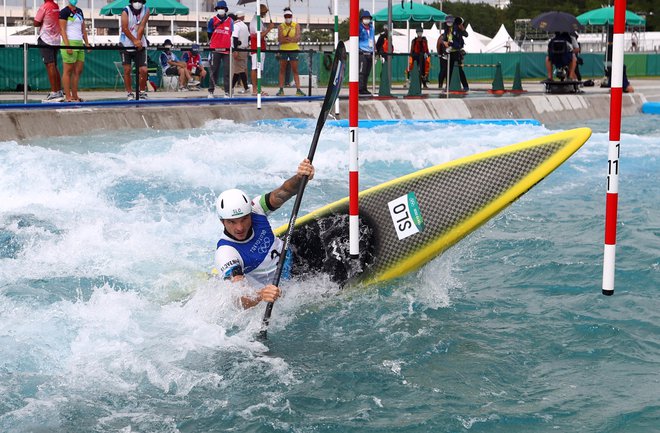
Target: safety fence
101,71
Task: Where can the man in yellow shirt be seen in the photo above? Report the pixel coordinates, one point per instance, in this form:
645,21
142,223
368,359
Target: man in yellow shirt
288,36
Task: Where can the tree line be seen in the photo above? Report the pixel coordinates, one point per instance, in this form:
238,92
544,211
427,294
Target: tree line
486,19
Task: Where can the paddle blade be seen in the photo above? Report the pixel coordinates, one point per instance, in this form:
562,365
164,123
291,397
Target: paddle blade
336,80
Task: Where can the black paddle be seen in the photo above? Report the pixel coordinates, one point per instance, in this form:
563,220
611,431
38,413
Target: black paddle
334,86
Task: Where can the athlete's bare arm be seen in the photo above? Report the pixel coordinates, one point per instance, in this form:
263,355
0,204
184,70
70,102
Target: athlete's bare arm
290,187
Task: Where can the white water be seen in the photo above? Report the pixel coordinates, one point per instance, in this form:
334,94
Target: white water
104,300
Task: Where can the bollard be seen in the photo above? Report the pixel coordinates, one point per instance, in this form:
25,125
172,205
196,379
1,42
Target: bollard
415,88
517,81
497,87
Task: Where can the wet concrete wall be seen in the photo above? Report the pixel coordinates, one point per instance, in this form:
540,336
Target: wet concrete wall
21,125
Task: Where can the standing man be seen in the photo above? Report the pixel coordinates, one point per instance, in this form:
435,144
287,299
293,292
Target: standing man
263,10
419,53
288,36
220,29
47,19
241,38
74,33
134,19
366,45
456,51
382,44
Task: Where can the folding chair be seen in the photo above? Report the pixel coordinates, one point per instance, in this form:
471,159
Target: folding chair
120,73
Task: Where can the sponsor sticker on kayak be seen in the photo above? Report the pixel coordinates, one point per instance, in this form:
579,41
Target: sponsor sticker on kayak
406,215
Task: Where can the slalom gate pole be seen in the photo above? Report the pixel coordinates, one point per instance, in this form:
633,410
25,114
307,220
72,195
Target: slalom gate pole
334,86
259,63
336,12
353,89
614,148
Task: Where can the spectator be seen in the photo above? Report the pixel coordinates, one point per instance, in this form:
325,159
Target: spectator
134,19
419,53
241,37
72,29
577,49
194,66
382,44
47,18
366,45
288,36
455,48
442,49
263,10
173,67
220,29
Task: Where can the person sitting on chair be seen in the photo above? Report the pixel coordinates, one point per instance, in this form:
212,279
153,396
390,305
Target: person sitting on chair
194,65
561,55
173,67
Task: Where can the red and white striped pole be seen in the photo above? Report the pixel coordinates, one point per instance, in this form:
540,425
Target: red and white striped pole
614,148
336,11
258,56
353,89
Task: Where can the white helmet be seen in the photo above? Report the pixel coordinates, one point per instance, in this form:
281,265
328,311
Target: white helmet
233,203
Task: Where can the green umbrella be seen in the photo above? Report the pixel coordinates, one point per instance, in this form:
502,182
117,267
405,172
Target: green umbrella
605,16
411,12
156,7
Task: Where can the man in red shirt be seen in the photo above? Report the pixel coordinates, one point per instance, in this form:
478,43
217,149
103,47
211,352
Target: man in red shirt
220,27
47,18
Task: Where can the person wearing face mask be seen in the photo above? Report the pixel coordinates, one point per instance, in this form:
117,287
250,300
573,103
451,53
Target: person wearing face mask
455,44
47,20
134,19
193,62
366,44
288,36
241,37
419,53
74,33
263,10
383,43
173,67
220,29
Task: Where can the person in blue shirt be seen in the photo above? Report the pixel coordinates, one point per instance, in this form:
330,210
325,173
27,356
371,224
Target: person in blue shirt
173,67
366,45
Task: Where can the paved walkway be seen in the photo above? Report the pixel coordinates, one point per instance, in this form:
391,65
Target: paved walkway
650,88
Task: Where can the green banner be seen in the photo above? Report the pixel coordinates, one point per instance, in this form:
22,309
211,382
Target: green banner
101,73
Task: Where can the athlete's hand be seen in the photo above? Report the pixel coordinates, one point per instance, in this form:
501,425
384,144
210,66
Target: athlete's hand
305,168
269,293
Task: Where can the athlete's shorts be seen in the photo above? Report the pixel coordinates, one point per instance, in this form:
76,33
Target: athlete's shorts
48,53
253,60
172,71
132,55
76,55
288,56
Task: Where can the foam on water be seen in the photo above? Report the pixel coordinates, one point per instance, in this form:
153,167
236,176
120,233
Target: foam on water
108,321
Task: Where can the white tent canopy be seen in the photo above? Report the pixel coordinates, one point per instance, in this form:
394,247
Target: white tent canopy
478,36
473,42
502,43
402,43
